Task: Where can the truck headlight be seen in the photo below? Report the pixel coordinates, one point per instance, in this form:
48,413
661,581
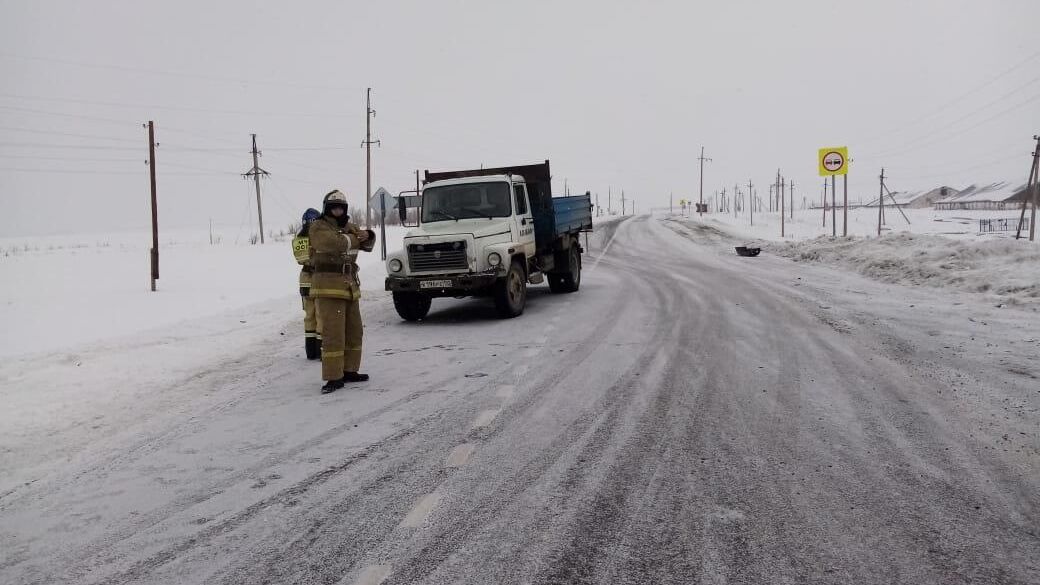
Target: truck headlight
494,259
395,265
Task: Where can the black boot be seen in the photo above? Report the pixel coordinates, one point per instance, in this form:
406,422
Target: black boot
332,386
312,346
354,377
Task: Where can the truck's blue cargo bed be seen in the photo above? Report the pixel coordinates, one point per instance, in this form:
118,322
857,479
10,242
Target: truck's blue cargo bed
572,213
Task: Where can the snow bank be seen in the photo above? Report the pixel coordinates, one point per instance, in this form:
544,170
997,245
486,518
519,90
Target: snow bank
1007,269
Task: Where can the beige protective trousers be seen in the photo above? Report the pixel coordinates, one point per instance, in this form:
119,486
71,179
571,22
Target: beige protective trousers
341,334
310,319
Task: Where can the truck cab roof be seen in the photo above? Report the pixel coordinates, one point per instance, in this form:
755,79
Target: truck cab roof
471,180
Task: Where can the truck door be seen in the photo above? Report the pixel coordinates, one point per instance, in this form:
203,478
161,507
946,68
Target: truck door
523,225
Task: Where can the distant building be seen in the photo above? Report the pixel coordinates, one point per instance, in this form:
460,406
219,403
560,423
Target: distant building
917,199
995,196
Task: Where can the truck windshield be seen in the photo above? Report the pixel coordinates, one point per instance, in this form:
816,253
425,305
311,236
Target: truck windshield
454,202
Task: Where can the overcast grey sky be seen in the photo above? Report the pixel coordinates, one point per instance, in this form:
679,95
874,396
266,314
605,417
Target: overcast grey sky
616,94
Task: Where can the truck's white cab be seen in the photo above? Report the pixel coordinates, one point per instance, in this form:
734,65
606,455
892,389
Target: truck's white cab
462,222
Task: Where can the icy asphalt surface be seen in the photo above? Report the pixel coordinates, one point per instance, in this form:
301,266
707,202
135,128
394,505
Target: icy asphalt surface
687,417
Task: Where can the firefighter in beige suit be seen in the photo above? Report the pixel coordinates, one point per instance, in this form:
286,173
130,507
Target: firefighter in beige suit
302,253
334,244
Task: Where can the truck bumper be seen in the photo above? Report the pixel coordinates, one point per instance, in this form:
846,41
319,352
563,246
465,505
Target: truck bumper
442,286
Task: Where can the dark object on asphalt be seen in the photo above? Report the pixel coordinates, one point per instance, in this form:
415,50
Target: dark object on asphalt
353,377
745,251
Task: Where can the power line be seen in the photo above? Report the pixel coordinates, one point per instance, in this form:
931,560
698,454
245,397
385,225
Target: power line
936,111
173,108
63,114
98,172
70,134
216,78
68,146
934,140
979,109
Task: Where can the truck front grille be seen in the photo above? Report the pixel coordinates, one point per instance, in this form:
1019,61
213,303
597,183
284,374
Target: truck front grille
439,256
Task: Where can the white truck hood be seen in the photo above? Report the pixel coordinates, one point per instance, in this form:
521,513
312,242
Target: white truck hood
476,227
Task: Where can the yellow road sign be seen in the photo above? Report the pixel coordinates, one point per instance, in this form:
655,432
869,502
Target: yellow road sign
834,161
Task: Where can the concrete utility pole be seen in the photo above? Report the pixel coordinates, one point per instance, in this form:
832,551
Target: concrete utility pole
154,252
369,114
1032,187
881,201
702,159
609,197
622,202
1036,189
255,172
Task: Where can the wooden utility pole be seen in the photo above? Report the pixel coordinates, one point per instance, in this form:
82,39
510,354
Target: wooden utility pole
1032,187
751,198
154,252
622,202
781,182
702,159
824,206
881,201
369,114
736,198
255,172
791,211
610,196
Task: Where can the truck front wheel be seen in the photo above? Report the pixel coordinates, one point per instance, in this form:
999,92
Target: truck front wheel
511,292
411,306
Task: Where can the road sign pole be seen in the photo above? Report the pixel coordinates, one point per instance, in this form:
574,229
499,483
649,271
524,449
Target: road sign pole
845,208
382,224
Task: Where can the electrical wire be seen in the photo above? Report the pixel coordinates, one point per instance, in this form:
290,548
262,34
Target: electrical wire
175,108
934,140
942,108
214,78
67,146
64,114
69,134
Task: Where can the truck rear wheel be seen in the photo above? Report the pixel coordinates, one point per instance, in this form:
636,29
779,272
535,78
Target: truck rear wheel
411,306
569,281
572,280
511,292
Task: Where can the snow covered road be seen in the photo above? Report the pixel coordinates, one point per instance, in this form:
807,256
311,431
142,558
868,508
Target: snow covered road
689,416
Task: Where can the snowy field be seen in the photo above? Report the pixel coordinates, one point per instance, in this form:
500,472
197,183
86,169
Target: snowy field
57,293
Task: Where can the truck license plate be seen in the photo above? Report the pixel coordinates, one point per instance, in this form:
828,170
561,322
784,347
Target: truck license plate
435,284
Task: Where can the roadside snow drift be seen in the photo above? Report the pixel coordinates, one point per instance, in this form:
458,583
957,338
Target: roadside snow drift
1008,269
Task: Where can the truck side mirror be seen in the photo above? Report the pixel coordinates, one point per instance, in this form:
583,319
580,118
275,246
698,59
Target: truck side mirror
402,211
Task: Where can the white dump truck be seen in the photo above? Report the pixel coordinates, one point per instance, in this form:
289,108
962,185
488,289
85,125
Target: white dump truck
488,232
